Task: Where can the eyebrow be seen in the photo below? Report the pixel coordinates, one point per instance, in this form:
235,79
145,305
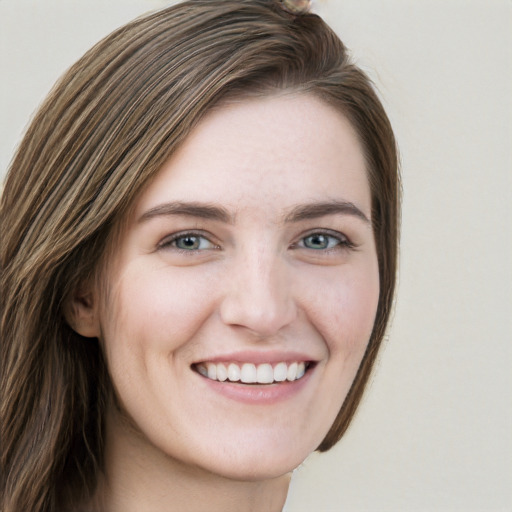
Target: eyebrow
199,210
316,210
218,213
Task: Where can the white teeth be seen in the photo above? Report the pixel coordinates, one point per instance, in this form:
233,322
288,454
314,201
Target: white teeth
234,372
264,374
280,372
249,373
212,371
292,372
222,373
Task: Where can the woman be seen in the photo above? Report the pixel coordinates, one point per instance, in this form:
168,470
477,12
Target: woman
199,235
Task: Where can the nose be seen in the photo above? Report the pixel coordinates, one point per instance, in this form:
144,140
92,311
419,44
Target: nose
259,295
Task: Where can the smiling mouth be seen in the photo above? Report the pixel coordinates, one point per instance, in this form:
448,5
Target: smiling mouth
249,373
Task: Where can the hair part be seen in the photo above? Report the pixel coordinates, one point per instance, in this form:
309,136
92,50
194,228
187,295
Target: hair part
102,134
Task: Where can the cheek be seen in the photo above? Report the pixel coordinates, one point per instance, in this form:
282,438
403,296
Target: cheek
345,309
342,311
164,303
153,313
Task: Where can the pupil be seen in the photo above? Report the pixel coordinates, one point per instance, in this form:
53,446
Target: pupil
189,242
317,241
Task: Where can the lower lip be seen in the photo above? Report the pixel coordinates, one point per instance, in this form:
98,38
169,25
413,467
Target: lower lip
264,394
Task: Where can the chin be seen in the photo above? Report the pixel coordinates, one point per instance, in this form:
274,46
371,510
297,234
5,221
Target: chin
261,468
258,460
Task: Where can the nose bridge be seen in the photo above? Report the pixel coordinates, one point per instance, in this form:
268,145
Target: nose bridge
259,293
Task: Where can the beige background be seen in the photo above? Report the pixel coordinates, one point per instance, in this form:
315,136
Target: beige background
435,430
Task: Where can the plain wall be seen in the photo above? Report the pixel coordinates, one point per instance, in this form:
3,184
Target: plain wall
435,430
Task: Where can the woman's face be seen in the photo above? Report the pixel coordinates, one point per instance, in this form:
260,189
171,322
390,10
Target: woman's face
250,258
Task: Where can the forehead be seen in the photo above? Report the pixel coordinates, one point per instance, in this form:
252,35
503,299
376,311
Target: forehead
265,153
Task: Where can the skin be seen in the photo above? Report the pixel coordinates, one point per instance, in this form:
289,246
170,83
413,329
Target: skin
256,280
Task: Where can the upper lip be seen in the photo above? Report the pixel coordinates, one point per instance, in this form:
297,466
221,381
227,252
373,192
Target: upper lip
258,357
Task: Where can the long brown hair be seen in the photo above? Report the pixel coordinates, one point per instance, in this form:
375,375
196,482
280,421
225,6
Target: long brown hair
104,131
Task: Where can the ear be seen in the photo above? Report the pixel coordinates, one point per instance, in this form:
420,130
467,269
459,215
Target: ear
81,312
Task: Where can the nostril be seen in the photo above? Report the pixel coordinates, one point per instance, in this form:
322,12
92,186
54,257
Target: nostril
263,318
258,293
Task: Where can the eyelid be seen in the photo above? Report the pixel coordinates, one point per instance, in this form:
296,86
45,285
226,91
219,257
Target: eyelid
167,241
344,240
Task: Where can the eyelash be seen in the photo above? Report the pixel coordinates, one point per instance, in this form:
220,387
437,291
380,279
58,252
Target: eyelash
170,242
341,242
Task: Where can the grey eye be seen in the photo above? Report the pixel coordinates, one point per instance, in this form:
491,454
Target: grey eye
188,242
319,241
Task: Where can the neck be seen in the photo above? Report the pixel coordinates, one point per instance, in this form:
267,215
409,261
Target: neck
139,477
